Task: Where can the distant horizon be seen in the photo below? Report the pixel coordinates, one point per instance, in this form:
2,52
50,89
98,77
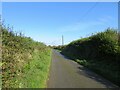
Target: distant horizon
23,34
47,22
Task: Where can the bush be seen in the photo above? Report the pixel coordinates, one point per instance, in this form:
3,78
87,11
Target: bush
17,51
59,47
99,52
103,45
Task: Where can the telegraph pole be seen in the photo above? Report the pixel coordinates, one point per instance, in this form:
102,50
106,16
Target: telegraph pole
62,40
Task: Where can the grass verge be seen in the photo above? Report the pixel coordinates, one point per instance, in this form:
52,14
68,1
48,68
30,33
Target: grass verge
35,73
102,68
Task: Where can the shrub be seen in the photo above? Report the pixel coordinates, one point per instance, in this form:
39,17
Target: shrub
99,52
17,51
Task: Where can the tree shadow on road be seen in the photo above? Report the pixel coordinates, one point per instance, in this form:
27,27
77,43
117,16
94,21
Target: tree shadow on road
89,74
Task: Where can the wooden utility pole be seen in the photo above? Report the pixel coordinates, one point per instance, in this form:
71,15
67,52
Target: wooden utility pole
62,40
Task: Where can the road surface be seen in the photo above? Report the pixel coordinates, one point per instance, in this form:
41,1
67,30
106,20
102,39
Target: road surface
65,73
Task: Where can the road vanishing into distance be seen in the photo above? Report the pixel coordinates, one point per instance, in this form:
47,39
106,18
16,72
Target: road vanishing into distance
65,73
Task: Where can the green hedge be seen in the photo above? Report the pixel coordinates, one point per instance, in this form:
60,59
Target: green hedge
102,49
102,45
17,51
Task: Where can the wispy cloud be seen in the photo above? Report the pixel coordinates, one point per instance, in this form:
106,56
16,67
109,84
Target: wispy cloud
80,26
105,19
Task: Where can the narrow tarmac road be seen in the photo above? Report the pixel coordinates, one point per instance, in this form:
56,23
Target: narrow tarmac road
65,73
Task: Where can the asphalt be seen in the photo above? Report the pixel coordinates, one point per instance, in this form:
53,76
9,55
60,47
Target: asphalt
65,73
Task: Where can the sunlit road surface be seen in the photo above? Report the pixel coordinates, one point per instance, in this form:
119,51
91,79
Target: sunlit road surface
65,73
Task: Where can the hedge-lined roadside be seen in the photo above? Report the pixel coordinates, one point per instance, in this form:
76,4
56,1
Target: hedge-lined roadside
99,52
23,61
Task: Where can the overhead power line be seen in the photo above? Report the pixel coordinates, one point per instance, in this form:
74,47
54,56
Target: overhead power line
89,10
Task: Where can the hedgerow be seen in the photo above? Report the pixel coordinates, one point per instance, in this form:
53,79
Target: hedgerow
99,50
17,52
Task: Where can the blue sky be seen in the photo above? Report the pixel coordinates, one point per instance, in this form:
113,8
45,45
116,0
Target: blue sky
47,22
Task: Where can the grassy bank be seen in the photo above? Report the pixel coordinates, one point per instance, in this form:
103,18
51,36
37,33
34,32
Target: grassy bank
99,52
25,62
36,71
